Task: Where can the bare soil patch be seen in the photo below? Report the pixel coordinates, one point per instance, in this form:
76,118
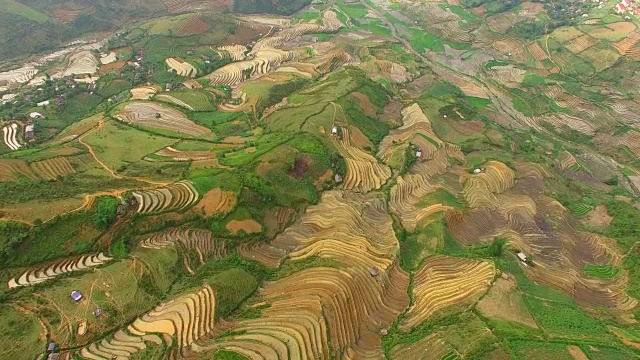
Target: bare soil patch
242,36
249,226
112,66
391,113
576,352
358,139
365,104
503,301
599,218
250,150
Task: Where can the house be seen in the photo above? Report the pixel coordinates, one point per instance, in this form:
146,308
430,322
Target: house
373,271
334,130
53,356
29,133
76,296
522,257
477,171
622,6
51,347
36,115
43,103
99,312
419,153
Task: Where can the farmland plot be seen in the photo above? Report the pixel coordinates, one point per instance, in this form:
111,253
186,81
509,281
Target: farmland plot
266,55
10,169
364,171
108,58
9,135
50,169
144,92
81,62
44,273
174,197
184,320
181,67
17,76
199,241
178,155
445,281
159,116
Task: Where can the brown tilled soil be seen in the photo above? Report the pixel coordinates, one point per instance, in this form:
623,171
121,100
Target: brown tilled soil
391,113
194,26
243,36
216,201
249,226
503,301
365,104
113,66
358,139
599,218
576,352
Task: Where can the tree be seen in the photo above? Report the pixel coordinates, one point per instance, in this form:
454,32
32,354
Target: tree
497,246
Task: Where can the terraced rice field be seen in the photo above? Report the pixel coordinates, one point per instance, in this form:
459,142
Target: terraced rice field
191,240
44,273
17,76
144,92
337,228
364,171
444,281
81,62
581,43
263,253
11,168
321,311
9,135
52,168
184,320
174,197
181,67
235,52
193,26
266,56
217,201
480,189
159,116
108,58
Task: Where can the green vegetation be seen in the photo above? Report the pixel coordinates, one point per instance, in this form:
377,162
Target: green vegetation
601,271
17,327
104,211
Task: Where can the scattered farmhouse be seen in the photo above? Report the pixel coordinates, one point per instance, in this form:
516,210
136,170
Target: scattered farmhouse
76,295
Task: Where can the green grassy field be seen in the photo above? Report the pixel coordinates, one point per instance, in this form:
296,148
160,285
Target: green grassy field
107,144
17,8
601,271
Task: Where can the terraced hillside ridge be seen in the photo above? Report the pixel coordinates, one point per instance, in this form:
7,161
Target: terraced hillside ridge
10,169
52,168
265,56
9,135
184,320
201,242
174,197
159,116
364,171
181,67
17,76
178,155
235,52
480,189
144,92
352,228
81,62
217,201
317,307
41,274
444,281
265,254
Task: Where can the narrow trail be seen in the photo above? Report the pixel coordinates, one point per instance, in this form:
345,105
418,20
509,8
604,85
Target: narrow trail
116,176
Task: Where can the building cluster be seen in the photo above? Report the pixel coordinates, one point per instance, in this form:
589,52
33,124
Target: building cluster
627,6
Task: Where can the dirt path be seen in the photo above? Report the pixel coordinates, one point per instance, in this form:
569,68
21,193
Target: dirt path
93,154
